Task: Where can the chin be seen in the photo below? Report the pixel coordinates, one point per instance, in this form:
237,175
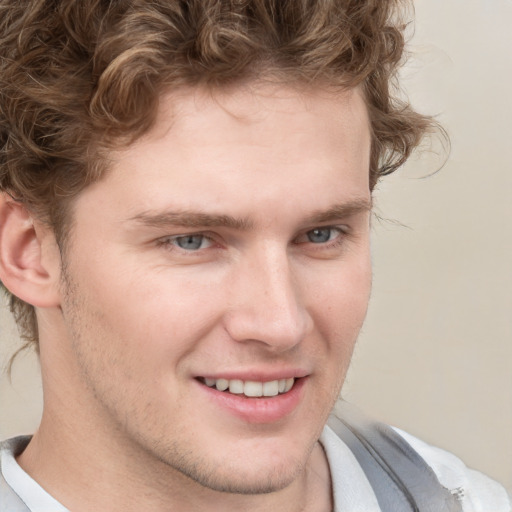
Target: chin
246,481
257,467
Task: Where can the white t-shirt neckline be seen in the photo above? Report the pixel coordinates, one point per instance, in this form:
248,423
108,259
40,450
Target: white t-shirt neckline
29,491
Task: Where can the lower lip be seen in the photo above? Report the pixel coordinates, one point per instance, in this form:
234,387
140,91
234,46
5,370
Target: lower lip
258,410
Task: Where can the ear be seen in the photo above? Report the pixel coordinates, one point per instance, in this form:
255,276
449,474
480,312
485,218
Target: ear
29,256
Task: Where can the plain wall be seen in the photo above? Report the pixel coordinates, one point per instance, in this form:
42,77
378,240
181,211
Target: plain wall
435,355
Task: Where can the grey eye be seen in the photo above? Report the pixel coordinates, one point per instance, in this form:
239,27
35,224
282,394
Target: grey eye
320,235
190,242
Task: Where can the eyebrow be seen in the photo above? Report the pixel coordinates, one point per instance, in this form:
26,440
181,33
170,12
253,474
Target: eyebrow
191,219
340,211
195,219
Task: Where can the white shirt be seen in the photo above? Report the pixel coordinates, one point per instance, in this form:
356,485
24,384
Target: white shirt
351,489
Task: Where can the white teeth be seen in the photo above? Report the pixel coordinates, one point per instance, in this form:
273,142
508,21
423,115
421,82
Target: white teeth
236,386
271,388
222,384
252,388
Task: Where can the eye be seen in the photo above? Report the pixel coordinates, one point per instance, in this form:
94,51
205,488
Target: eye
190,242
322,235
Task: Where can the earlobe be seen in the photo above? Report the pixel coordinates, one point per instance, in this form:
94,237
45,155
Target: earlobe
25,270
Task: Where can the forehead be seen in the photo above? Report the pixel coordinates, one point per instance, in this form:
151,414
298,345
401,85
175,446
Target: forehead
269,116
236,113
245,150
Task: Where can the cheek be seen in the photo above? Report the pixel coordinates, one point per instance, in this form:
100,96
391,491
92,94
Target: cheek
340,304
159,316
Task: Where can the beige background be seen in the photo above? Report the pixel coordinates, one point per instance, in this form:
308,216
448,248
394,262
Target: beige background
435,355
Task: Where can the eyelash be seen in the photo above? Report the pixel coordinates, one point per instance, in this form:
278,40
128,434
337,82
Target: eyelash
168,241
342,231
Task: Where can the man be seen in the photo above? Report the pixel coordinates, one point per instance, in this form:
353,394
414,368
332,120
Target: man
185,235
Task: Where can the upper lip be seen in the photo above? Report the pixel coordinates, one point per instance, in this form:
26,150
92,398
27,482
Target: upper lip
257,375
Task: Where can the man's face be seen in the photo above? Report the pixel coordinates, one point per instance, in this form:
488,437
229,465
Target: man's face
229,246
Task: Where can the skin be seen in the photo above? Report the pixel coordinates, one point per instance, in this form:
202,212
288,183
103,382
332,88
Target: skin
135,318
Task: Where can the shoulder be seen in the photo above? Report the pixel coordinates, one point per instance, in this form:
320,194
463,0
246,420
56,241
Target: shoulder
476,491
8,497
18,491
399,468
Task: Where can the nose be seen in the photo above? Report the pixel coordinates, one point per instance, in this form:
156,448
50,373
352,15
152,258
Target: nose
266,305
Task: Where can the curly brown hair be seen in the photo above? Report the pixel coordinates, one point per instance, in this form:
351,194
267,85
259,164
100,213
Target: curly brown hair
79,77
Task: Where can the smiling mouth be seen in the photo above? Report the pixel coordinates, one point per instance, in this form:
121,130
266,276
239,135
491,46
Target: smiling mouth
250,389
